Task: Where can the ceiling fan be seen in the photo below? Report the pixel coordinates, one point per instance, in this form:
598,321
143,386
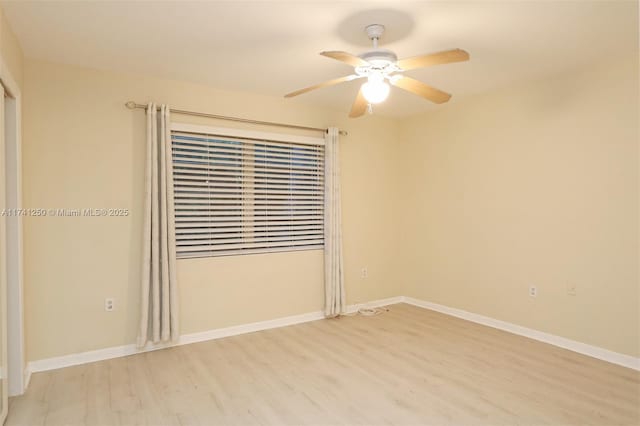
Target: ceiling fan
381,65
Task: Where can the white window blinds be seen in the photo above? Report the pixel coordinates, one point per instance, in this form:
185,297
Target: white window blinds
239,195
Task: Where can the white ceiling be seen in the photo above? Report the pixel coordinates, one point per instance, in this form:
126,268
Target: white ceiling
271,47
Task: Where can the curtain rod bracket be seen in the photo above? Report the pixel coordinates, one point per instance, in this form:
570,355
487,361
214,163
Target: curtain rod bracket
134,105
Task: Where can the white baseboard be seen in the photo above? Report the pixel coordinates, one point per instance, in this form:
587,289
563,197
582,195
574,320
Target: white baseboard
125,350
572,345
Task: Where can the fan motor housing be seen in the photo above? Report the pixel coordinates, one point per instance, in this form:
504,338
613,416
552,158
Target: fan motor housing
380,60
381,57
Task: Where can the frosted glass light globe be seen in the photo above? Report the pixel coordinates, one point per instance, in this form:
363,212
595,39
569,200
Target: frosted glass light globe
375,90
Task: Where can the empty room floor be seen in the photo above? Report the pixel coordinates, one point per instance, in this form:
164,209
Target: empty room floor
406,366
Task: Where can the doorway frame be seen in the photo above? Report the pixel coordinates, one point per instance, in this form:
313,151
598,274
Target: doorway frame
18,376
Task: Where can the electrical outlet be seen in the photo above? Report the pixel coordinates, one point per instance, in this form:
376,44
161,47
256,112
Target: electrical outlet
533,291
364,273
572,289
109,304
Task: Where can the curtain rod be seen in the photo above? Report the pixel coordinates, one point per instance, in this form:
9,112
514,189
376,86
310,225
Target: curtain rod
133,105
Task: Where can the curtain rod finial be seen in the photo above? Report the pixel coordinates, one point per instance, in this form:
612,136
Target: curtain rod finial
130,105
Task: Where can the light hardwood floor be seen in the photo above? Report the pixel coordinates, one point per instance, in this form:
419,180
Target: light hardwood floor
407,366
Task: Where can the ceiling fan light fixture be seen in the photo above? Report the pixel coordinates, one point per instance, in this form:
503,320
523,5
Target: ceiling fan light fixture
375,90
382,68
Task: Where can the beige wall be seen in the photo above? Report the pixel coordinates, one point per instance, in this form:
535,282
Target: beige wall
10,50
83,148
532,185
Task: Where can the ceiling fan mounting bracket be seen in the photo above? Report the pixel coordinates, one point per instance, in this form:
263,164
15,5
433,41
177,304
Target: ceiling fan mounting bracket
374,31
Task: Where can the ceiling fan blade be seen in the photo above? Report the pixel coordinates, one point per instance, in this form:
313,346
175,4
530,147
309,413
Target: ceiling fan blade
325,84
359,105
445,57
346,57
420,89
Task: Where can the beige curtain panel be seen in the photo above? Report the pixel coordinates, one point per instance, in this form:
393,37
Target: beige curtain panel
333,265
159,295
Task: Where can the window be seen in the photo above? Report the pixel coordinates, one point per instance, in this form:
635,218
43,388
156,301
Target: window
246,192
